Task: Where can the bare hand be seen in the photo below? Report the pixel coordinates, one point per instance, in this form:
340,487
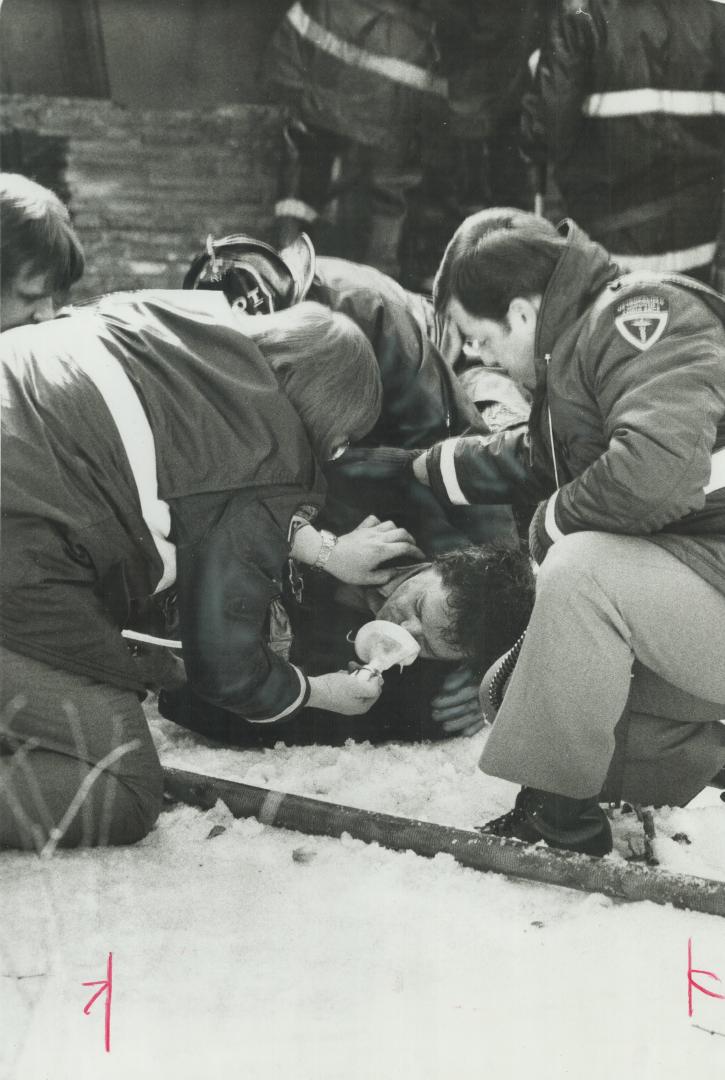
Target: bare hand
455,707
357,555
349,693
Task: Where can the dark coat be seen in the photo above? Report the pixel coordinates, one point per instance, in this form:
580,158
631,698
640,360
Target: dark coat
364,69
631,382
423,402
77,551
630,110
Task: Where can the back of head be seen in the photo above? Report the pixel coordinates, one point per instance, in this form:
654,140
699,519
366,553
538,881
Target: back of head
254,277
496,255
490,598
36,235
326,367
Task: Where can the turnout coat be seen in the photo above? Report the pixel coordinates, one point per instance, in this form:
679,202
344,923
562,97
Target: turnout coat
629,108
94,516
364,69
627,431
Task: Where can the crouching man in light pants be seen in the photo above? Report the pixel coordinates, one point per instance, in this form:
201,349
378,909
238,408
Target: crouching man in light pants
619,687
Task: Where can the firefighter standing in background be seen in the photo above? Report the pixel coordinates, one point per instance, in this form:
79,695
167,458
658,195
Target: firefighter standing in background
474,159
630,110
485,50
358,81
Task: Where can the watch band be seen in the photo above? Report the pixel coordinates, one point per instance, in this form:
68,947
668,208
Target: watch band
328,542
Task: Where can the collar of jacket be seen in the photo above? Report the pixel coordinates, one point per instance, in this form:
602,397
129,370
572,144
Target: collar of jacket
583,270
581,273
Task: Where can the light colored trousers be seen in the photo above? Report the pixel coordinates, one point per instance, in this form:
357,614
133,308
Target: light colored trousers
621,631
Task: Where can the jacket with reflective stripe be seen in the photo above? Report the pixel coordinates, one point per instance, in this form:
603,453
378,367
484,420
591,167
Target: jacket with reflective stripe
634,428
630,109
77,553
365,69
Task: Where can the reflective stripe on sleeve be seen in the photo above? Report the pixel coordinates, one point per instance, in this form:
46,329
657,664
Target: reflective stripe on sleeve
116,389
717,472
552,529
648,100
390,67
304,690
448,473
295,208
685,259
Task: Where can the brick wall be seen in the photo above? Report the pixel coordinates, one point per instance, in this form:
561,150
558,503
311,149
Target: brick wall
146,186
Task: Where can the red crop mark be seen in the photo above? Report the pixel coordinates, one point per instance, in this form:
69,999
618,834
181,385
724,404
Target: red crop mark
106,987
693,985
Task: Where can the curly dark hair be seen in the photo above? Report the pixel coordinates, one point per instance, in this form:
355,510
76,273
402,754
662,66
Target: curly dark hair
490,597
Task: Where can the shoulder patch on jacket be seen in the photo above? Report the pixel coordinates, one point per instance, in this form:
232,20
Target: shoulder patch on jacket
641,319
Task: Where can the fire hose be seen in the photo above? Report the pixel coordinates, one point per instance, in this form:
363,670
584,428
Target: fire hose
618,879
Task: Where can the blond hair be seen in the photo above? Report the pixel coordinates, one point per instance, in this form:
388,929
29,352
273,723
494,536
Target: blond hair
326,367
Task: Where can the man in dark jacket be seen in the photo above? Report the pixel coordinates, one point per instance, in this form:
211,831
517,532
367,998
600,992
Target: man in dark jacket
626,445
148,441
629,108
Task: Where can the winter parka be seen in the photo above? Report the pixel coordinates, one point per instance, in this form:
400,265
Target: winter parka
629,108
628,422
423,402
422,399
84,538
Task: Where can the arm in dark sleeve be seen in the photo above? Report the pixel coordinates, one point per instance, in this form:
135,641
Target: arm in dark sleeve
661,407
474,469
227,575
380,481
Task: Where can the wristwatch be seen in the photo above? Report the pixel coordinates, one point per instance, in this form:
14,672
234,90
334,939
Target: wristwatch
328,542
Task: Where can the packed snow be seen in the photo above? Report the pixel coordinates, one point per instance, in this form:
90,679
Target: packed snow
243,950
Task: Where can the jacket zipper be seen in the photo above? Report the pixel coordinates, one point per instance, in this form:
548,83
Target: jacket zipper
547,358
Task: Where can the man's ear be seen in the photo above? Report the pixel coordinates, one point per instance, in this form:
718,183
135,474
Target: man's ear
523,311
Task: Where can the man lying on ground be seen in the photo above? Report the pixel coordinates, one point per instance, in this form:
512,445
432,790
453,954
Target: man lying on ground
463,609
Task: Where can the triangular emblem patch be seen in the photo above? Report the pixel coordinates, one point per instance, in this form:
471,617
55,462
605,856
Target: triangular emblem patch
641,320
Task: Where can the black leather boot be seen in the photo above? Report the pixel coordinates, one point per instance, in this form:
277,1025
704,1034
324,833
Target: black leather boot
573,824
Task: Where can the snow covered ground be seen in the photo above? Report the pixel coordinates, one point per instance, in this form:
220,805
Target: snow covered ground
263,954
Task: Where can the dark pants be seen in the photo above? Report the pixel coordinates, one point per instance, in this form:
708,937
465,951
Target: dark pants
369,193
76,759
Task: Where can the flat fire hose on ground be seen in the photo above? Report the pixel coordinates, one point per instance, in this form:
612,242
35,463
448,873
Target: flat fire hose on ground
620,880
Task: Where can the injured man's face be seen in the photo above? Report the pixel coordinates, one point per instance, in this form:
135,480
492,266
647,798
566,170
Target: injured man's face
420,605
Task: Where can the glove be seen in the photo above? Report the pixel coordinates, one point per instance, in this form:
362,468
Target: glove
539,539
